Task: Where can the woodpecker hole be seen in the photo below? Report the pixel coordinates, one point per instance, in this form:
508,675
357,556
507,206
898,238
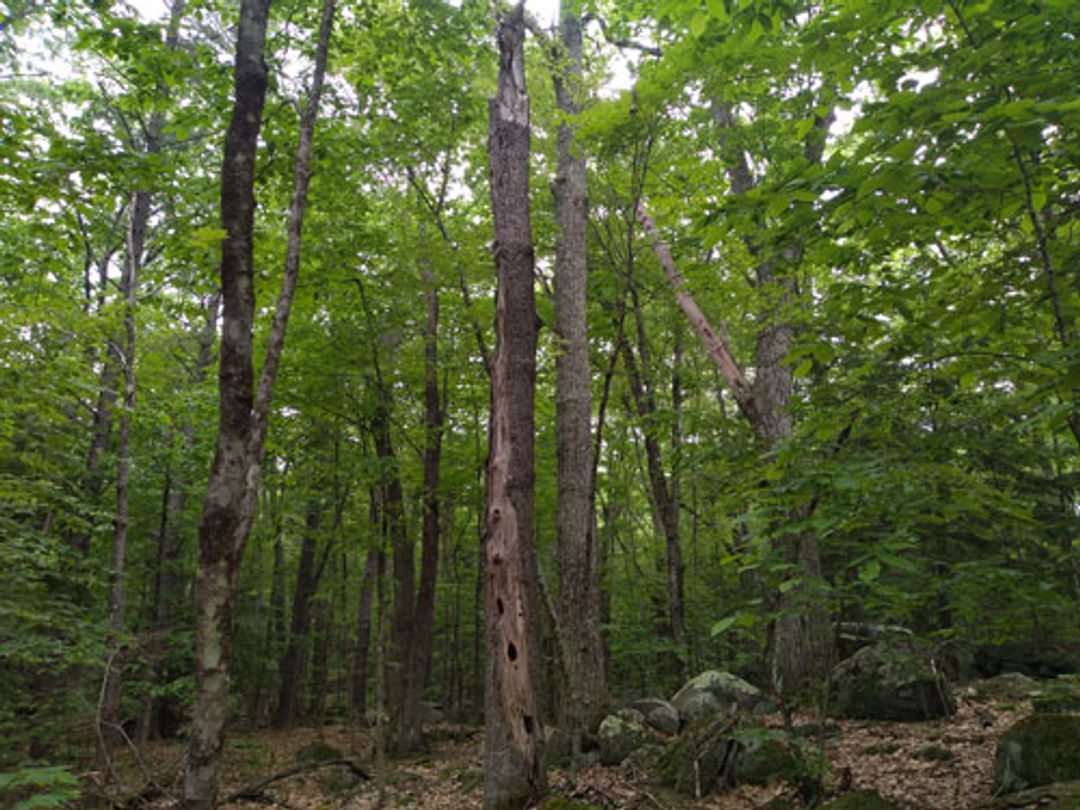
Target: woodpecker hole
511,651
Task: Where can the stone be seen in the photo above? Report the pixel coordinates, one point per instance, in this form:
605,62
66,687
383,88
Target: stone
1058,796
1038,750
853,636
702,757
1038,659
724,689
695,705
660,714
892,680
1057,697
763,760
1008,686
619,737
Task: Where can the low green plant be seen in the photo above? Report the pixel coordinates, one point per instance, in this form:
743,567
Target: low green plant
35,787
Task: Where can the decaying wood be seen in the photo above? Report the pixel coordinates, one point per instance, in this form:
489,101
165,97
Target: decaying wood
513,734
253,790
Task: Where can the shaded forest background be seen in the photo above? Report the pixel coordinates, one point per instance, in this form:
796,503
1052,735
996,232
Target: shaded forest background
896,184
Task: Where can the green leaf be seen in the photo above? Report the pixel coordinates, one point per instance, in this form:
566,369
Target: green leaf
724,624
698,23
870,572
897,561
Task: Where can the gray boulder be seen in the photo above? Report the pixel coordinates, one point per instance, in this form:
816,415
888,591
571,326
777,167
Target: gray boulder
659,714
1038,750
713,690
893,680
620,734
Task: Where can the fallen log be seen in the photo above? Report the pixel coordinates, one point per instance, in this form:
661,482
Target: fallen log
254,790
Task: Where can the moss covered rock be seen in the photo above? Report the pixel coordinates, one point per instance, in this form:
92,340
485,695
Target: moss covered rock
893,680
1038,750
1008,686
619,735
701,757
1059,796
763,760
1058,697
713,690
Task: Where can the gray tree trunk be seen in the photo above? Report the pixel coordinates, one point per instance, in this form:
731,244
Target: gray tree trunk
584,687
230,504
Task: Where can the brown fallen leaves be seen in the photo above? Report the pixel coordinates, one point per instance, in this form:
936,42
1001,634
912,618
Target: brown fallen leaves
937,765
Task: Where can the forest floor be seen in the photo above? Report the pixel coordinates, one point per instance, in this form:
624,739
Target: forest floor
944,765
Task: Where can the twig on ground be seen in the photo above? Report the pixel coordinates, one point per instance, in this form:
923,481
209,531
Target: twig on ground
254,790
151,781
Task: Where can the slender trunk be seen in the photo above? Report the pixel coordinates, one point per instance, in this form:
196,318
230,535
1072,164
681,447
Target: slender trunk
801,648
291,666
320,661
404,716
513,734
358,693
113,689
167,576
583,687
229,507
93,478
665,508
424,615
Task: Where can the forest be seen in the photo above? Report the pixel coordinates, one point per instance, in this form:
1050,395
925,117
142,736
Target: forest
406,373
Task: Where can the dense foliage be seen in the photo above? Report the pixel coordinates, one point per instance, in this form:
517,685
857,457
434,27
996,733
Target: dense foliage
914,171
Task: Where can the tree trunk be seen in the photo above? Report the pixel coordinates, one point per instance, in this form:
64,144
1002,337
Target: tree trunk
404,730
113,688
424,615
358,693
167,581
582,652
665,506
513,736
229,507
801,647
320,661
291,666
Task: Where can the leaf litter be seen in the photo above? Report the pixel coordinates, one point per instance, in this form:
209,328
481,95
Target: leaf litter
892,759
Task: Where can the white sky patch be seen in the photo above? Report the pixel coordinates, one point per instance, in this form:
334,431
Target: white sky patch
545,11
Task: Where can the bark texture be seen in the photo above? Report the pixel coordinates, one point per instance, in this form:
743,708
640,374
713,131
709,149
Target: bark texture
582,653
513,736
230,503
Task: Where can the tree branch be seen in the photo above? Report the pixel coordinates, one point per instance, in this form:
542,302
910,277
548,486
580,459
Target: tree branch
253,790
